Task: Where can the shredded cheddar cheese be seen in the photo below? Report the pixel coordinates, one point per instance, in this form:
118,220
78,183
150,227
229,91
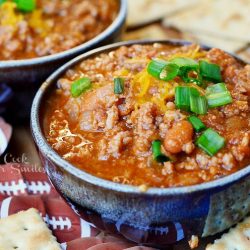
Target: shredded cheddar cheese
149,89
37,23
8,14
122,72
191,53
144,79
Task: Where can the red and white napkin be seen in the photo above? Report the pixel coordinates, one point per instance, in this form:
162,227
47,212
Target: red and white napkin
23,186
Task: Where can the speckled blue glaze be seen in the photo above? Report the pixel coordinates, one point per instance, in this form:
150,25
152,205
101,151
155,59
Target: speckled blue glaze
157,217
5,96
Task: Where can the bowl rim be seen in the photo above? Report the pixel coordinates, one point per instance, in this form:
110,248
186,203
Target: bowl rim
117,22
53,156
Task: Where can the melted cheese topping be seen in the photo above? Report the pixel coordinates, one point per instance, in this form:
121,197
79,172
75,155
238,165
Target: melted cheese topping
191,53
8,15
149,89
37,23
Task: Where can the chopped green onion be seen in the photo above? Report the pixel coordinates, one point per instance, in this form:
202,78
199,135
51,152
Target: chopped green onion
157,154
210,71
197,123
198,103
79,86
189,99
155,67
217,95
184,62
219,99
169,72
210,141
194,92
162,70
198,81
118,85
184,74
216,88
182,97
26,5
187,65
2,1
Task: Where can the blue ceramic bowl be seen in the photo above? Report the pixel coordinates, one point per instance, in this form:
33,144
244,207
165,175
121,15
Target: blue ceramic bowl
25,76
157,217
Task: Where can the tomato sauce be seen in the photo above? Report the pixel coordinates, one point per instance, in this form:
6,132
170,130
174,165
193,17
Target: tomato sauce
110,135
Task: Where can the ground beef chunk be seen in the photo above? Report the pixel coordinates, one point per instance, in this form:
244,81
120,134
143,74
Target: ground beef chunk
135,65
243,79
102,97
188,164
93,120
143,122
73,107
114,145
96,109
65,85
126,106
112,117
242,147
235,108
118,142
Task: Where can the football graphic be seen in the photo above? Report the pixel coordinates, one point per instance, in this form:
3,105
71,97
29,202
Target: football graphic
23,187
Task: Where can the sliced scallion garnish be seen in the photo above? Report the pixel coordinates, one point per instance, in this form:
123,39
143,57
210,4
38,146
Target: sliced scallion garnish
184,73
157,154
79,86
155,67
118,85
186,66
196,123
189,99
210,141
216,88
182,97
184,62
210,71
217,95
26,5
219,99
162,70
169,72
198,103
